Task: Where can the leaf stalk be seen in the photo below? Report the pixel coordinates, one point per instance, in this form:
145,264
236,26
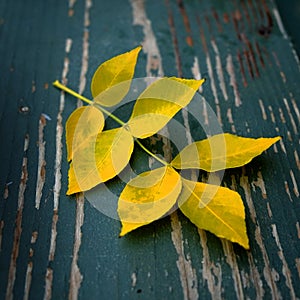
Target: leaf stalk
58,85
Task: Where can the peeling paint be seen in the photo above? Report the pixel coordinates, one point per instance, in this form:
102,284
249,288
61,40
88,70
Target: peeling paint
48,286
187,274
231,260
255,277
259,182
297,261
133,279
293,123
18,224
296,109
41,170
57,174
219,70
230,120
154,66
28,279
284,34
233,82
212,273
213,86
75,275
270,214
1,230
285,269
196,72
295,186
298,229
269,274
287,190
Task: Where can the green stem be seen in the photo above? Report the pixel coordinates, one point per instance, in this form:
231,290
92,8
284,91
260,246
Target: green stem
84,99
57,84
150,153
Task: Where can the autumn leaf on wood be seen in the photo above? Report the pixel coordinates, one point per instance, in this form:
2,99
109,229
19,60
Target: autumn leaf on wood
222,151
216,209
148,197
97,155
158,104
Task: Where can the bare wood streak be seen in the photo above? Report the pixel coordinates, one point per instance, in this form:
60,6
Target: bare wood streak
18,224
269,274
295,186
196,72
41,171
212,272
28,279
1,230
187,273
57,171
75,275
285,269
154,66
233,81
231,260
219,70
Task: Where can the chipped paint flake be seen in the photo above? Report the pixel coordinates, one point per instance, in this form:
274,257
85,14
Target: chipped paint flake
68,45
133,279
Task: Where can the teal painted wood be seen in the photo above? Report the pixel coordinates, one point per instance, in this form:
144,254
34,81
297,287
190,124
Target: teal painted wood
54,246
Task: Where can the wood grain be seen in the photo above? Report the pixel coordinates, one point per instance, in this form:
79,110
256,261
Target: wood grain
57,247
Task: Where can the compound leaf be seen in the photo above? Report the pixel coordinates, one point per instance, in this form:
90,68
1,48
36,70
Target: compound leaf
157,105
84,122
100,158
221,151
112,79
216,209
148,197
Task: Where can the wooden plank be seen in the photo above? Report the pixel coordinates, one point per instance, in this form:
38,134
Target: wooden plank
54,246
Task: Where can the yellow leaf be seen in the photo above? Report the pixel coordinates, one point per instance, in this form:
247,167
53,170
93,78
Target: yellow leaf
84,122
112,79
157,105
216,209
221,151
148,197
99,159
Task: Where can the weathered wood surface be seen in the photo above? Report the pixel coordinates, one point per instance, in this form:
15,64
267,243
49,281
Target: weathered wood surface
53,246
